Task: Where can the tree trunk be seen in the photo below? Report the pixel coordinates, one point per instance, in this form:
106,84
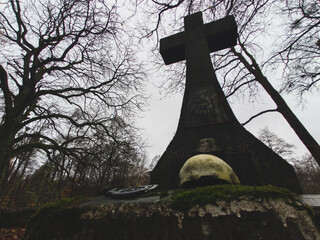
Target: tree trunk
291,118
8,131
282,106
5,156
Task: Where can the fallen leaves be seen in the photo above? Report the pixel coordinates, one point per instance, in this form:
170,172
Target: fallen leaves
11,233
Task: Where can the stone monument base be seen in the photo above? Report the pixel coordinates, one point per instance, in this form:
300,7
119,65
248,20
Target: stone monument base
155,218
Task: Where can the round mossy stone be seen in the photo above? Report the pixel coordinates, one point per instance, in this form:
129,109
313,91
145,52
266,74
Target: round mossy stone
206,169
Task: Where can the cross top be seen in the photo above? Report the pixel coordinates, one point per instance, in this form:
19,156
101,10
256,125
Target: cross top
204,102
219,35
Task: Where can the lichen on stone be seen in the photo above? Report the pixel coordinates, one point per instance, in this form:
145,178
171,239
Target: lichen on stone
185,200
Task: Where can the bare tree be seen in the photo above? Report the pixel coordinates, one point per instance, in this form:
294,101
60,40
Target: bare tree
308,173
301,49
256,73
307,169
276,144
62,59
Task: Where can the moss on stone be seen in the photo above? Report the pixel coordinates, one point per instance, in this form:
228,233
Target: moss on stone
185,200
55,219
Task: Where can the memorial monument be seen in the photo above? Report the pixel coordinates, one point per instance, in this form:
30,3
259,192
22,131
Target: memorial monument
207,124
207,127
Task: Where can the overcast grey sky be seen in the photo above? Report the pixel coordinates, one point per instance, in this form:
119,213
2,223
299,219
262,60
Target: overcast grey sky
160,120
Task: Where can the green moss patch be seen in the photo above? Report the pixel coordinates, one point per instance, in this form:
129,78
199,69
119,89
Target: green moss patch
186,199
55,219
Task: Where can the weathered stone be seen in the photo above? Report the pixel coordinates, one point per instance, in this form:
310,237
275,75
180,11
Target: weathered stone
312,200
206,169
207,124
154,218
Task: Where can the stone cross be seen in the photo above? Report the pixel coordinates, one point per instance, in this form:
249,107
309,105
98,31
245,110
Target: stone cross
195,45
218,35
207,124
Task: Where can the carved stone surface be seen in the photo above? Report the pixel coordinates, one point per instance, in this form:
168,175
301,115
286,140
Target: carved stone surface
207,123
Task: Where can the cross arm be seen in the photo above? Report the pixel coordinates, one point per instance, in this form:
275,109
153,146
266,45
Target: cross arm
221,34
172,48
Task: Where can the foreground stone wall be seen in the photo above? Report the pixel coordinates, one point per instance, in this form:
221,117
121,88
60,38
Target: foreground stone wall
153,218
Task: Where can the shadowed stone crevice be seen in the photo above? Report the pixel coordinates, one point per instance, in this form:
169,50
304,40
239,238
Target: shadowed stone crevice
204,181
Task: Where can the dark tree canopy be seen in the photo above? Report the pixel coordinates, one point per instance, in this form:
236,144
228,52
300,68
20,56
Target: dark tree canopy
67,72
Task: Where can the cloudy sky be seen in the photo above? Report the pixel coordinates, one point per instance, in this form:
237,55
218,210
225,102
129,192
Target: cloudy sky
160,120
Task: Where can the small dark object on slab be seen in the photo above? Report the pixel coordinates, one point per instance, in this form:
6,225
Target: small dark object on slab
105,190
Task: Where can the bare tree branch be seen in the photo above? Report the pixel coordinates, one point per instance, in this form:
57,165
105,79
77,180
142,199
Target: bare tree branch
257,115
